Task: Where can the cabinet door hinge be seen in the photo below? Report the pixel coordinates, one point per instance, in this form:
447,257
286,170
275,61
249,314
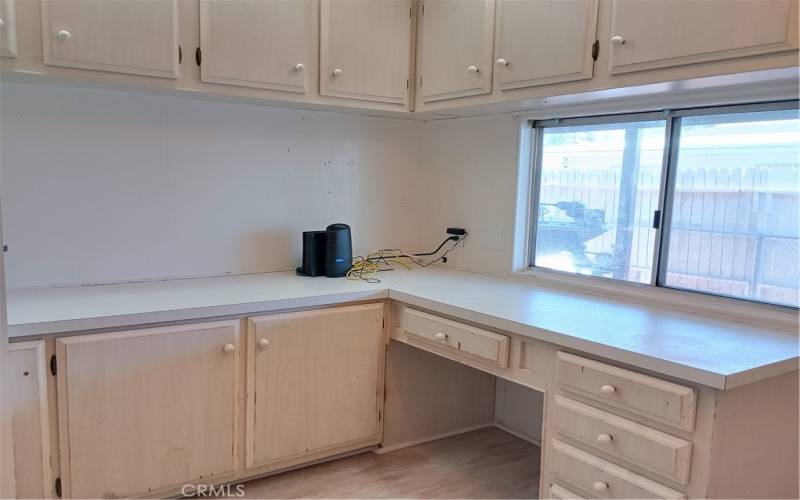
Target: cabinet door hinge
180,54
57,487
53,365
595,49
198,56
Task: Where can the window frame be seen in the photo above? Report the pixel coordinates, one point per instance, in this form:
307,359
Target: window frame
672,131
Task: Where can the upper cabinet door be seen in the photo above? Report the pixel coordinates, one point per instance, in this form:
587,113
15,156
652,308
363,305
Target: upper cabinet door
8,29
123,36
267,44
544,41
365,47
455,48
661,33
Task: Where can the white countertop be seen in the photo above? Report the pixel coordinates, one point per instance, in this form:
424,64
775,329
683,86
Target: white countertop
708,351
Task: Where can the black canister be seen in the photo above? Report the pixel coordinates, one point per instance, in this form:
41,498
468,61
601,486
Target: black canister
338,250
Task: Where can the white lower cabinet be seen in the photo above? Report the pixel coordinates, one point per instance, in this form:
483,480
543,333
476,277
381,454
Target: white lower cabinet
146,411
30,422
314,383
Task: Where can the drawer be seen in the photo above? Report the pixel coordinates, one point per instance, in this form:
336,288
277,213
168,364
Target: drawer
560,493
621,438
602,478
650,397
474,342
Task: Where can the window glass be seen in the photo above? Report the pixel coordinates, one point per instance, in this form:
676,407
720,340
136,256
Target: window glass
598,190
734,227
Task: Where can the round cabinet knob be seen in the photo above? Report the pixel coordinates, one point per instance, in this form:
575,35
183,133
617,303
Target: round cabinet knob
617,40
441,337
604,438
263,343
501,62
337,72
472,69
608,389
600,486
64,35
229,348
2,23
299,67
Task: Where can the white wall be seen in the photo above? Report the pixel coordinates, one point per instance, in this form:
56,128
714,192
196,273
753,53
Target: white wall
107,186
474,161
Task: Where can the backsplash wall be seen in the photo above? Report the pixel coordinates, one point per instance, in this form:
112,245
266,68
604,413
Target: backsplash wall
108,186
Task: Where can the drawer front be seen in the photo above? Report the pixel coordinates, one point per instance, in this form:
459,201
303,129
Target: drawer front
602,478
621,438
474,342
650,397
560,493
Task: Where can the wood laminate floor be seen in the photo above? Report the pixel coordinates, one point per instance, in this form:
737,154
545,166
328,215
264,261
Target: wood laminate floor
487,463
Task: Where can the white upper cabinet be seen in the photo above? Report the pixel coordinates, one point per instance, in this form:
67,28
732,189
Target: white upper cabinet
544,41
455,48
8,29
364,49
123,36
661,33
266,44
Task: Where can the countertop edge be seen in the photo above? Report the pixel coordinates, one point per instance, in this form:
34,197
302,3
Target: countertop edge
29,331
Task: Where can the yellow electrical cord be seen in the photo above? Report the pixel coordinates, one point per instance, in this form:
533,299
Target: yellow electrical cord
364,267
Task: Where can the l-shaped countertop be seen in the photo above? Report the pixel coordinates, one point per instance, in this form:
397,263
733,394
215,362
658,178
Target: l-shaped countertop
705,350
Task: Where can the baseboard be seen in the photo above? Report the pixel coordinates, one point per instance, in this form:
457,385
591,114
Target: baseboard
435,437
524,437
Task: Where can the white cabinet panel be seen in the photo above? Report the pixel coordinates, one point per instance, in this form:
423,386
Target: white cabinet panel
455,48
8,29
124,36
29,419
661,33
263,44
544,41
314,380
147,410
364,49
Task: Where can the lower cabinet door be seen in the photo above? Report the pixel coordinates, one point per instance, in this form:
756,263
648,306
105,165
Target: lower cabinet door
30,424
314,383
147,411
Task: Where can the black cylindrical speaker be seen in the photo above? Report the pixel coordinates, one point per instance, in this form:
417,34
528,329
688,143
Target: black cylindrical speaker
338,250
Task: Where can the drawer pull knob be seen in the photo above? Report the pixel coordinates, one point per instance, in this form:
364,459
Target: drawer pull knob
64,35
600,486
229,348
263,343
441,337
604,438
608,389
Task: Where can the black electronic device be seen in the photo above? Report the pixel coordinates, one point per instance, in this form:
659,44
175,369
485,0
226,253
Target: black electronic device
327,253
